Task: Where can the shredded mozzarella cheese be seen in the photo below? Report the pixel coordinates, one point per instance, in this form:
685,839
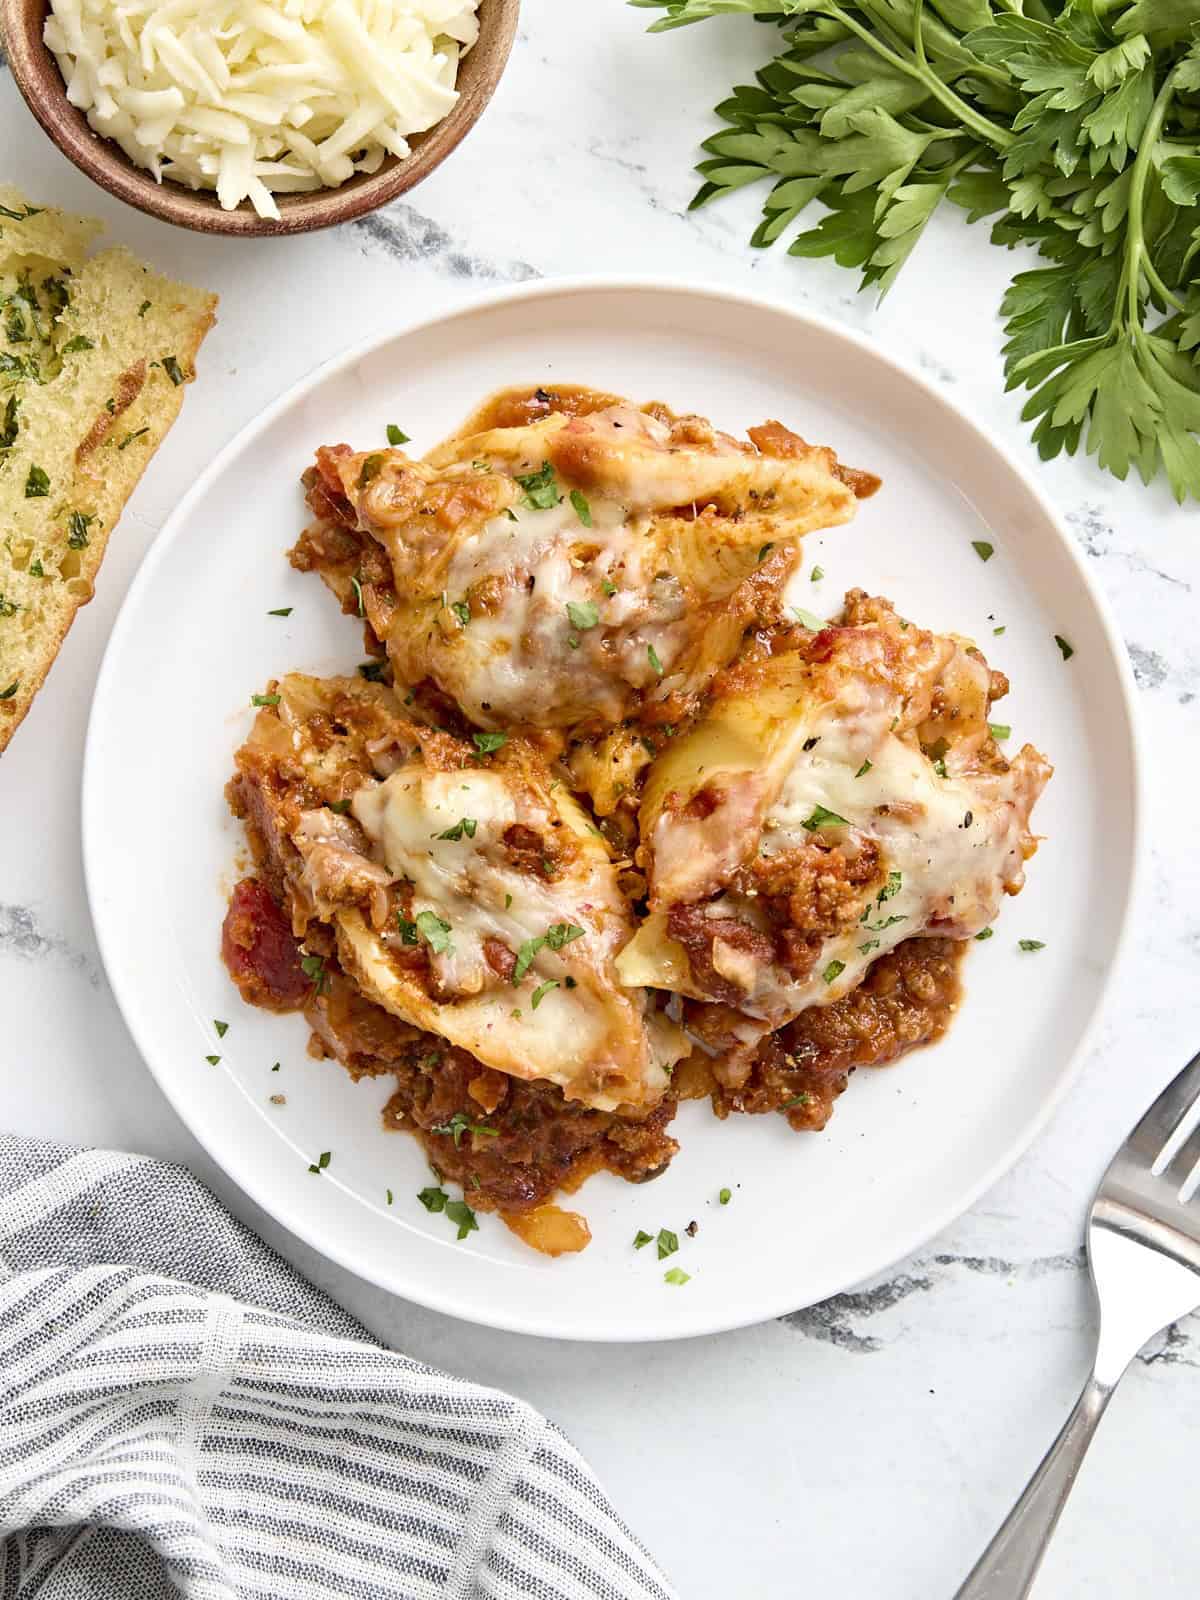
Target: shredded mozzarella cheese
255,98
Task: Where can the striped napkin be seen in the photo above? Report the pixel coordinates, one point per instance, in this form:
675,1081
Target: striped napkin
181,1413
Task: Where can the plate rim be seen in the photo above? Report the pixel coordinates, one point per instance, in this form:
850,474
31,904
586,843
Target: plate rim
245,1175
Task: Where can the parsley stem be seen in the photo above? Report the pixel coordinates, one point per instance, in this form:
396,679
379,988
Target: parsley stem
967,115
1136,255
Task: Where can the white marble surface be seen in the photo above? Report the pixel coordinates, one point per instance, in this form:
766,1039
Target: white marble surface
868,1446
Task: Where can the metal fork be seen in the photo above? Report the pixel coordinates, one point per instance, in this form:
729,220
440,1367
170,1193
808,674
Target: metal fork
1143,1247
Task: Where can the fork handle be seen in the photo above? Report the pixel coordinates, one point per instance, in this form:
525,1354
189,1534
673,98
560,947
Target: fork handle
1009,1565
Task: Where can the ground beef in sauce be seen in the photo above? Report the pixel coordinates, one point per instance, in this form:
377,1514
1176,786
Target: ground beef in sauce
906,1000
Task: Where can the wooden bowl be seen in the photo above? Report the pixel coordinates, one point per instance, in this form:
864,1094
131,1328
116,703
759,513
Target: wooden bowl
40,82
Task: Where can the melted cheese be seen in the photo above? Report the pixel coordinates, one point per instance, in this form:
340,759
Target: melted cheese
585,1033
950,844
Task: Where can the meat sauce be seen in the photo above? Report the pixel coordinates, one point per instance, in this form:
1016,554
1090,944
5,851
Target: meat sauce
514,1145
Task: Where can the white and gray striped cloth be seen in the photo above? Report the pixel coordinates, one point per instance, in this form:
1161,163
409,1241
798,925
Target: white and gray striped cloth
181,1413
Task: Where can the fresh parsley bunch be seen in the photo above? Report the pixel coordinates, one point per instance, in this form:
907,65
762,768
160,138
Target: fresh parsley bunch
1076,125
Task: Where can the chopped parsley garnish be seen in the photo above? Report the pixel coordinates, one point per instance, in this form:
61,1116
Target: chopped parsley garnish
525,957
1068,650
582,510
435,932
999,730
396,435
21,216
652,655
173,370
939,766
1000,629
725,1196
143,308
212,1060
433,1198
408,930
36,570
462,611
796,1100
676,1276
280,611
833,970
8,423
556,936
583,614
358,595
222,1029
275,1068
1030,944
8,608
808,620
130,437
458,1211
461,1123
816,575
340,806
77,343
641,1237
986,933
668,1243
608,586
763,552
372,671
389,1196
878,927
541,488
322,1161
540,993
464,825
983,549
369,470
891,888
313,968
7,694
864,769
264,699
823,818
37,484
78,524
487,744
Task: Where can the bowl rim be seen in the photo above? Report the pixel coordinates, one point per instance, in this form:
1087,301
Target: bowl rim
343,1252
41,86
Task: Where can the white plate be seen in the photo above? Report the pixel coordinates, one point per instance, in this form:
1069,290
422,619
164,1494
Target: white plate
909,1147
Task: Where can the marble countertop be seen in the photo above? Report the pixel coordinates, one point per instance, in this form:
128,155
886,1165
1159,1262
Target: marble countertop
867,1446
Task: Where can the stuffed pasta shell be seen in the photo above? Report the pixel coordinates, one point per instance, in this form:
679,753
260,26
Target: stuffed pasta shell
842,793
566,565
467,893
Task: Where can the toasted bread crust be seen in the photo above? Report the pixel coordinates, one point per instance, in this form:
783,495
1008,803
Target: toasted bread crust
113,362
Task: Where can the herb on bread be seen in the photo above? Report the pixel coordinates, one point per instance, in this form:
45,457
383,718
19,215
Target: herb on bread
81,377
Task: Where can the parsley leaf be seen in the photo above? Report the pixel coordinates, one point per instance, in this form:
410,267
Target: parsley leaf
541,488
668,1243
435,932
824,818
461,1123
583,614
1030,944
396,436
464,825
677,1276
641,1237
487,744
582,510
